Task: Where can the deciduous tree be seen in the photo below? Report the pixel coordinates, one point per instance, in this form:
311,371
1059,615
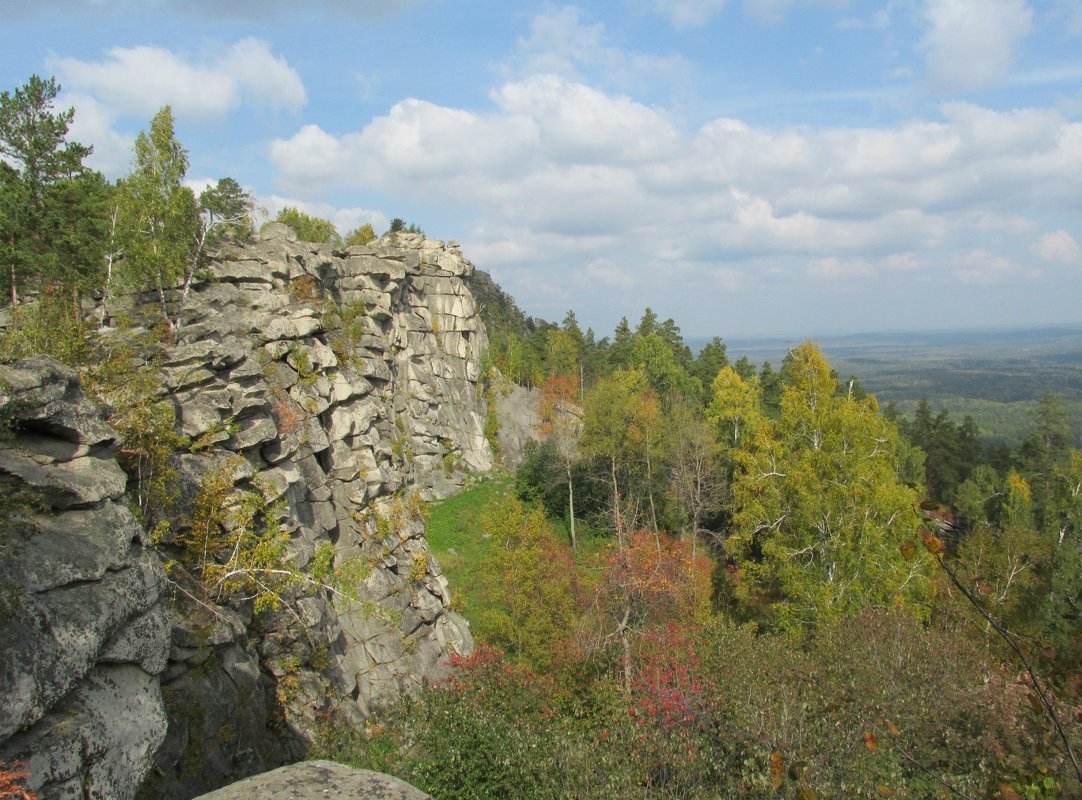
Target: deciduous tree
158,218
531,585
309,228
821,514
561,423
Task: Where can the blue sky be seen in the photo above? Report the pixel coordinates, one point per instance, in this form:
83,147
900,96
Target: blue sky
748,167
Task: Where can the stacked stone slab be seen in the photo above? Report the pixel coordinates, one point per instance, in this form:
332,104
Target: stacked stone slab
85,634
346,383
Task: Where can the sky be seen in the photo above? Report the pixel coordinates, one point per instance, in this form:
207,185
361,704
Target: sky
789,168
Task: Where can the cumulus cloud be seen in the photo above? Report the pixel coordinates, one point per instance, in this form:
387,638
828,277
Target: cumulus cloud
684,14
94,123
971,44
983,267
562,42
142,79
1059,248
560,175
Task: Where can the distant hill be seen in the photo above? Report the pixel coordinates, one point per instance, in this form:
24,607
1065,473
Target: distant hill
994,375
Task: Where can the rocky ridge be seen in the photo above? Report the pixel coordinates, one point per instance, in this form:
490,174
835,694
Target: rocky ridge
341,386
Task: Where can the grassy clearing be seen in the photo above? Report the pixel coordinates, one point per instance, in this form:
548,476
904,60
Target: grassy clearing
457,538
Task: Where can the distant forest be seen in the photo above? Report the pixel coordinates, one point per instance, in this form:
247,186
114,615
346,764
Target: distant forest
995,376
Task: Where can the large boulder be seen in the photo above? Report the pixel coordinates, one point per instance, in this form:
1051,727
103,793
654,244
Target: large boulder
319,780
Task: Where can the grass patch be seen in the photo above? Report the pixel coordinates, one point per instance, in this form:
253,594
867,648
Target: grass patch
457,538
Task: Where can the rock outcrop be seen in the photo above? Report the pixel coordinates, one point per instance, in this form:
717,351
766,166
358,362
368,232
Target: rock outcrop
317,780
342,386
335,390
519,421
85,632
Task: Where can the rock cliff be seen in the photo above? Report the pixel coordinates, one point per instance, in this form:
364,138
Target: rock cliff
85,636
341,388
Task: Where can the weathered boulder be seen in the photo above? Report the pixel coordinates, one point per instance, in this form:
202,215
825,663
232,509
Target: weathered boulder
86,633
318,780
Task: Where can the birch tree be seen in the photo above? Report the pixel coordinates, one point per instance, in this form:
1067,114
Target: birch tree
821,516
157,215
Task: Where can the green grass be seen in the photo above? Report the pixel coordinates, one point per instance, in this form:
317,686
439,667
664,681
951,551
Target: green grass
456,537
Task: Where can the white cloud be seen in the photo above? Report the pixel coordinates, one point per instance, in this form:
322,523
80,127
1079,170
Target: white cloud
561,42
972,43
93,123
684,14
731,280
831,268
606,273
1059,248
557,172
142,79
983,267
575,122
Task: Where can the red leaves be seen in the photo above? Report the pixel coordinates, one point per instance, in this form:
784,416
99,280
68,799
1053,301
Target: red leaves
668,690
658,577
11,780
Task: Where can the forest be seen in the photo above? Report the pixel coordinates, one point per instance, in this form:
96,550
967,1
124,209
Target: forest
709,579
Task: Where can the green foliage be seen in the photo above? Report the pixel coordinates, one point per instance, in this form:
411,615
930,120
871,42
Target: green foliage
531,595
951,451
398,225
361,235
709,362
157,218
50,326
345,326
147,426
52,214
665,373
309,228
234,544
492,731
821,515
540,478
734,408
622,431
226,209
874,706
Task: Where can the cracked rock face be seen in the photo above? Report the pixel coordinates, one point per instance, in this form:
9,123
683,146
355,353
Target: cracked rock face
346,381
86,633
340,385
